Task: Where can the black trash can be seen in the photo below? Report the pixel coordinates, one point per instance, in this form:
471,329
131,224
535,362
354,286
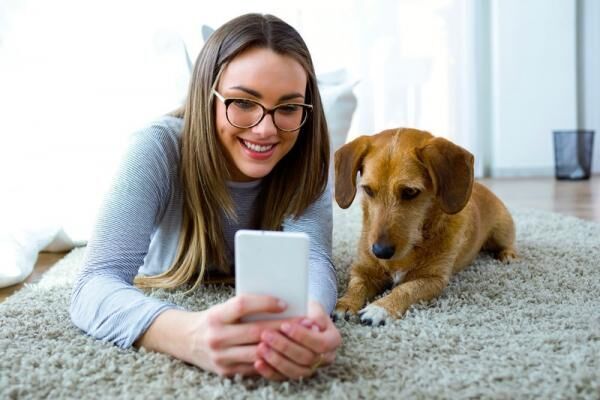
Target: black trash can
573,154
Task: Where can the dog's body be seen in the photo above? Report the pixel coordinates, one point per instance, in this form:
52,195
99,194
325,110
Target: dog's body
424,219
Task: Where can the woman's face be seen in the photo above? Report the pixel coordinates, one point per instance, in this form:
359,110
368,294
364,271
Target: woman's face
269,78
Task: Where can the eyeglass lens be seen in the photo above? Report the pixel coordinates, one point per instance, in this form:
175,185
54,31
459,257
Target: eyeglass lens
245,114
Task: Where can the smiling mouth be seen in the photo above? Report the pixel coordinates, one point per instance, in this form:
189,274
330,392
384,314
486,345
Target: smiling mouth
256,147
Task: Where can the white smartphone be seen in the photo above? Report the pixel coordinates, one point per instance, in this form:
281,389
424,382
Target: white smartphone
273,263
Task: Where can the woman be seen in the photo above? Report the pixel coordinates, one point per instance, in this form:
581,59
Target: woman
251,134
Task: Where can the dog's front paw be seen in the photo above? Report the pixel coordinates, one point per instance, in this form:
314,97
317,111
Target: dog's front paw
506,256
344,309
338,315
373,315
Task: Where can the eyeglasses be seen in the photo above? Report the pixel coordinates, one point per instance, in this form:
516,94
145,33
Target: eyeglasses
246,113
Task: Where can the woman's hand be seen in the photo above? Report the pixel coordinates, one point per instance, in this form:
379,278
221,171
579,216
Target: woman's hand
213,339
299,346
220,343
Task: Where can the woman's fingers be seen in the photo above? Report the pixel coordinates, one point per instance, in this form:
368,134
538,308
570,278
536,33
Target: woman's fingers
241,334
240,306
292,350
296,352
301,346
317,316
317,342
263,368
282,364
235,355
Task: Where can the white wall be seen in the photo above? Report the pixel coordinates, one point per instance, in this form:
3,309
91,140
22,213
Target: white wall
589,72
533,82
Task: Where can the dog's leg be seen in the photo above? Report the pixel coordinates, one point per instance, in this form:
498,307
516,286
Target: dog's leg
417,287
502,239
365,283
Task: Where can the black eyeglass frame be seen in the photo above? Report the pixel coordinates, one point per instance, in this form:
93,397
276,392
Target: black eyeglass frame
265,111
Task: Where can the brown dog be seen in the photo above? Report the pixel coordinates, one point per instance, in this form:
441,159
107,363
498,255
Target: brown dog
424,219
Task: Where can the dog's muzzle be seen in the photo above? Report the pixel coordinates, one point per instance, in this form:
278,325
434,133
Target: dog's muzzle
383,251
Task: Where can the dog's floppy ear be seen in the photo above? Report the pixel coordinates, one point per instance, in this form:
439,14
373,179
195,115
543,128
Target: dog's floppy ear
451,170
348,161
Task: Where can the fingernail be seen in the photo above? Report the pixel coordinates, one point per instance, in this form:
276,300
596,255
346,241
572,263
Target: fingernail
282,304
306,323
268,336
287,328
264,349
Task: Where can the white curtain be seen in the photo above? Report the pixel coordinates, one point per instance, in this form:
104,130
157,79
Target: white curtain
77,77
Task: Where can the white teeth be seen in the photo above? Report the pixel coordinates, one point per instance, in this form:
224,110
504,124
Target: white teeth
257,148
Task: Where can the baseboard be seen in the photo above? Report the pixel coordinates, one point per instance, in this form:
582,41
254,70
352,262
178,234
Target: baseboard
521,172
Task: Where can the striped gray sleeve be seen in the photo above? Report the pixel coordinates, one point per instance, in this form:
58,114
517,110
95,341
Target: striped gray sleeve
104,302
317,222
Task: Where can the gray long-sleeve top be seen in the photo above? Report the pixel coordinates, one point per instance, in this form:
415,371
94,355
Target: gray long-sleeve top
137,232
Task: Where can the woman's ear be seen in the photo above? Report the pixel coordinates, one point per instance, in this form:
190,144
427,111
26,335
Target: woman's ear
451,170
348,162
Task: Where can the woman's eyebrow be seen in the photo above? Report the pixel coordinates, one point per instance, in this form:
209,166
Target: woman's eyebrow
256,94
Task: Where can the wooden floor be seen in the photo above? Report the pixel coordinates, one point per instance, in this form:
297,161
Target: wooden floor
576,198
44,262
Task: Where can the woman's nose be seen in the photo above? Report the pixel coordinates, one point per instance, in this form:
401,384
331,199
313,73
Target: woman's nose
266,127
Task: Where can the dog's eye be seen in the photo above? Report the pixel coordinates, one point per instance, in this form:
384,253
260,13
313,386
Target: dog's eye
368,191
409,193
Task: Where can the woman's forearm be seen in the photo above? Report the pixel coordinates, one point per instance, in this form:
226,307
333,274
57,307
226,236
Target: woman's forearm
109,309
170,333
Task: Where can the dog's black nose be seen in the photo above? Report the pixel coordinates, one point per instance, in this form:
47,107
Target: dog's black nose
383,251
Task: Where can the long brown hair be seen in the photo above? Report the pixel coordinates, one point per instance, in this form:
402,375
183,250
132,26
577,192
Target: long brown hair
203,171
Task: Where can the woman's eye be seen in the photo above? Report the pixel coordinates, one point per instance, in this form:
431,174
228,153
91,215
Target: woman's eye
243,104
409,193
289,108
368,191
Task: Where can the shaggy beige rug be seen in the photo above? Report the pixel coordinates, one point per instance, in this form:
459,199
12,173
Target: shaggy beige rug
526,330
